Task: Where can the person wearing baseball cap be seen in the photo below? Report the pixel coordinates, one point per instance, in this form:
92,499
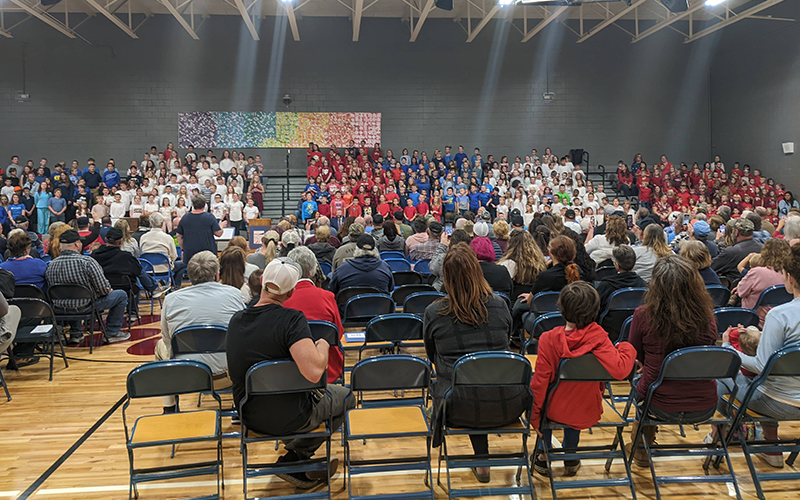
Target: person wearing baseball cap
725,264
427,248
117,263
269,331
22,222
701,232
365,269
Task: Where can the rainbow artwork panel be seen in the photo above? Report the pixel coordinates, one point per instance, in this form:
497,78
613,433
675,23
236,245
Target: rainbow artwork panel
243,129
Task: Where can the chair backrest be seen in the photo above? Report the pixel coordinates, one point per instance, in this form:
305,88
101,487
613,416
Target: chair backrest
423,266
348,293
584,368
605,272
774,296
700,363
362,308
393,372
277,377
168,378
199,339
119,281
400,293
417,302
544,302
157,259
391,254
504,297
784,362
625,330
732,316
626,299
725,282
394,327
73,291
398,264
34,311
407,278
492,369
46,258
719,295
324,330
326,267
29,291
541,324
147,266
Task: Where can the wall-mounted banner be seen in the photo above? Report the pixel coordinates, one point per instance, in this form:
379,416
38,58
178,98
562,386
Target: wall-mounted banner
239,129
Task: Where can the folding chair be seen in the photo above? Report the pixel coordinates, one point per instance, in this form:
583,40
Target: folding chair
348,293
536,327
159,259
269,379
690,363
400,293
489,370
391,331
773,296
359,310
422,266
732,316
35,314
393,255
719,294
505,298
389,419
625,331
725,282
783,363
330,332
27,291
586,369
407,278
89,314
148,268
544,302
123,282
604,272
620,307
172,378
199,339
398,264
327,268
416,303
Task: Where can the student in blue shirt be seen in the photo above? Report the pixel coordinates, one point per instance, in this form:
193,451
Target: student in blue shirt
449,201
110,176
474,199
16,207
414,195
463,201
424,183
485,197
448,155
460,156
309,206
476,157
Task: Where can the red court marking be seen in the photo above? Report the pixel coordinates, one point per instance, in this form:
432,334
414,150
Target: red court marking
146,347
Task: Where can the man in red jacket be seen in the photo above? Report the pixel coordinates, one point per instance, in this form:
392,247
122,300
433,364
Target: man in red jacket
317,305
576,404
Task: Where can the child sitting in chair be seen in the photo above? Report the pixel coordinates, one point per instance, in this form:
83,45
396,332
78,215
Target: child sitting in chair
578,405
745,340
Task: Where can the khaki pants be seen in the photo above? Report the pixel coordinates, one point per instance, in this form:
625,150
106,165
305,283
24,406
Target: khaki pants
8,327
163,352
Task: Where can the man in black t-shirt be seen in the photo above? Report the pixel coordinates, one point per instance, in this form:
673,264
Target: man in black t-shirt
268,331
197,229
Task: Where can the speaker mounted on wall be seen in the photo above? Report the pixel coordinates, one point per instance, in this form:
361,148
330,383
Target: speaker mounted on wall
676,5
444,4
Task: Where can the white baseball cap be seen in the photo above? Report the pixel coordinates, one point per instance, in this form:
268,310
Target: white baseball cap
280,277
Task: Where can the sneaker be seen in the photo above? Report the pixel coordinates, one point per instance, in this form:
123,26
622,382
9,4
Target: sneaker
121,337
321,475
571,467
74,340
540,466
297,479
24,361
709,439
159,292
773,459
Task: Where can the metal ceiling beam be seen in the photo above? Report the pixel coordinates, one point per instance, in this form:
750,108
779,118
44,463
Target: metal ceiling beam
292,19
45,18
669,21
422,17
5,33
488,17
357,11
111,17
734,19
247,21
543,23
177,15
611,20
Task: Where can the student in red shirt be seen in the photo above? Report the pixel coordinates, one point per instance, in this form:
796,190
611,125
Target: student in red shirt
576,404
684,195
323,207
312,172
422,207
645,195
410,211
354,210
338,203
384,206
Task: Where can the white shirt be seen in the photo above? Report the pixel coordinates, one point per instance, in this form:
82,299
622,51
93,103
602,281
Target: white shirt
117,211
251,212
226,165
157,241
235,211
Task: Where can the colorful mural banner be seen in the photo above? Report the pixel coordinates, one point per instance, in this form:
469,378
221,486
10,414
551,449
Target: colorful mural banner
241,129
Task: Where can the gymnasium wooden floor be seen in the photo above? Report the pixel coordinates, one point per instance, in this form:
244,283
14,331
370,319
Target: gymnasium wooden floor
45,419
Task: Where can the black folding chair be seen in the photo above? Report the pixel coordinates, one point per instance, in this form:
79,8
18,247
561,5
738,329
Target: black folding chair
621,306
586,369
604,272
690,363
87,314
534,328
544,302
394,418
359,310
28,291
732,316
269,379
625,331
407,278
774,296
172,378
36,316
719,294
497,371
416,303
200,339
783,363
392,331
123,282
348,293
400,293
330,332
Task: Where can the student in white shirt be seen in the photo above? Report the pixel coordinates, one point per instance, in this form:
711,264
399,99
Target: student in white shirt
151,206
235,213
117,209
168,196
251,211
166,211
218,208
226,164
220,188
137,207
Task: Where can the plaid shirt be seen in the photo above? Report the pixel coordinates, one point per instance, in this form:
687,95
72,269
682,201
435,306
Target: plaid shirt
424,250
72,268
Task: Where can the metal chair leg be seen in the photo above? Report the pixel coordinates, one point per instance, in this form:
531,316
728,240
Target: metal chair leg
5,386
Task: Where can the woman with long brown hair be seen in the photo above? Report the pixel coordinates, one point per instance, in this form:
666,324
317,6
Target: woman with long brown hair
231,267
654,246
677,312
470,319
601,246
524,261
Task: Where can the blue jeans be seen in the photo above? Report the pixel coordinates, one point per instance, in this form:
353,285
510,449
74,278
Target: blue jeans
760,402
147,282
178,267
571,437
116,303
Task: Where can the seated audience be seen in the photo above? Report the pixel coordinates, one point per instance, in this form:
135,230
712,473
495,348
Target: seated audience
575,404
665,322
190,306
701,231
625,259
365,268
289,339
654,246
157,241
21,221
501,231
470,319
563,271
391,241
26,269
322,249
725,263
600,246
346,250
73,268
316,304
253,293
232,267
239,241
426,249
497,276
445,243
144,227
420,234
267,251
129,243
117,263
697,253
523,260
759,234
766,270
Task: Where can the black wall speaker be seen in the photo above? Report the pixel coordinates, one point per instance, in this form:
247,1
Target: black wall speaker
676,5
444,4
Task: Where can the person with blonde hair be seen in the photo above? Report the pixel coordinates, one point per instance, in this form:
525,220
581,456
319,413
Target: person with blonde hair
697,253
654,246
523,260
129,243
268,250
501,231
765,271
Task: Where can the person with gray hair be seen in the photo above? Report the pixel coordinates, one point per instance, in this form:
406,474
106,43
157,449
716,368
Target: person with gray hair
725,212
365,269
157,241
346,250
317,305
197,230
791,228
206,302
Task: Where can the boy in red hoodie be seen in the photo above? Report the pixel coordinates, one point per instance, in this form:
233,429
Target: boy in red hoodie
576,404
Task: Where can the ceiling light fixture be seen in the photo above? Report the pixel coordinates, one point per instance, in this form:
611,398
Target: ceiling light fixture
712,3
